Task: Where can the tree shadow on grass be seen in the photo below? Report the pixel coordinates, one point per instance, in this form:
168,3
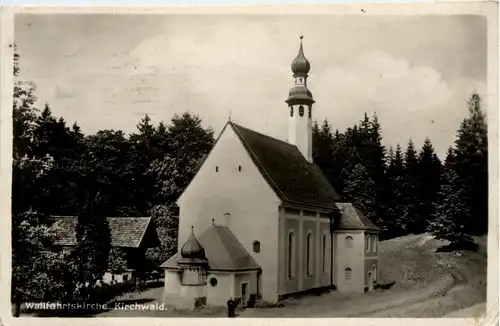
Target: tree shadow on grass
384,286
458,246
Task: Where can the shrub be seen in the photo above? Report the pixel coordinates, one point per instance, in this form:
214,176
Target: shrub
263,304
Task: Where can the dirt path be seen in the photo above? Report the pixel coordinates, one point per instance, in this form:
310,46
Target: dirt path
435,285
365,305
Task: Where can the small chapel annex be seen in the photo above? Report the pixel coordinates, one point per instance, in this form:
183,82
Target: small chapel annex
260,220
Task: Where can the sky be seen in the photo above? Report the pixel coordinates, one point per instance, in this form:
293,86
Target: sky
108,71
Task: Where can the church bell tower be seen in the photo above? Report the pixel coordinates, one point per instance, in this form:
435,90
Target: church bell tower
300,103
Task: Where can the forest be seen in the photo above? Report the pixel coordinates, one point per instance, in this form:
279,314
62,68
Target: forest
59,170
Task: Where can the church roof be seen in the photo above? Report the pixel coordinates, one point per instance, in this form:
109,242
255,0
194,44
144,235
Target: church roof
126,232
352,218
223,251
290,175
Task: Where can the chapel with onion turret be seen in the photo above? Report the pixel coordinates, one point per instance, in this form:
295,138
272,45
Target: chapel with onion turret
260,221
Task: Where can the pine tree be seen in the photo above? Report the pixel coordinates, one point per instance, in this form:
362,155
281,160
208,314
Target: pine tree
471,163
323,144
395,196
411,201
429,172
361,191
452,218
377,165
411,160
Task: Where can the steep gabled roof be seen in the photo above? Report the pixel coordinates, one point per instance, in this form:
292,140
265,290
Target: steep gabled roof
223,251
126,232
290,175
352,218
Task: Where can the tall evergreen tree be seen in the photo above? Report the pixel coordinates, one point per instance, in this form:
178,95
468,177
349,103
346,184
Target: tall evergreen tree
452,217
471,163
377,165
323,148
395,218
411,201
361,191
428,176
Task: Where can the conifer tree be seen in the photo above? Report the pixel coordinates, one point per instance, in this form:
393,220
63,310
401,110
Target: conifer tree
429,172
361,191
323,150
395,195
411,202
452,217
471,163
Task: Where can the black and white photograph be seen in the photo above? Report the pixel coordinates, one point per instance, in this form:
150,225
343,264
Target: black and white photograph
252,165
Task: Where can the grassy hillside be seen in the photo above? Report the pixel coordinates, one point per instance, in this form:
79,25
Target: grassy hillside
414,264
427,284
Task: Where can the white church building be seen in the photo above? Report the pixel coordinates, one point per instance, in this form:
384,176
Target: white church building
260,220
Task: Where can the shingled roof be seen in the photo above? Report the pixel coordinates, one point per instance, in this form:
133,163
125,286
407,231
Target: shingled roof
223,251
126,232
291,176
352,218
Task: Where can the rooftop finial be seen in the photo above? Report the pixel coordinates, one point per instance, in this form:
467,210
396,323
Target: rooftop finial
213,221
192,228
301,37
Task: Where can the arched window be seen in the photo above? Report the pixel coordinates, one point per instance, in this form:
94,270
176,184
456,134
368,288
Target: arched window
256,246
309,254
216,169
348,274
291,254
301,111
239,168
374,244
374,273
368,240
348,241
323,268
291,111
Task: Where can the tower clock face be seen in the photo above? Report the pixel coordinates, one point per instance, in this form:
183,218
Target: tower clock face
301,111
291,111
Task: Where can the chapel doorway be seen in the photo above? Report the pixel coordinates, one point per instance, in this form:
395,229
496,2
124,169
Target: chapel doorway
370,281
244,292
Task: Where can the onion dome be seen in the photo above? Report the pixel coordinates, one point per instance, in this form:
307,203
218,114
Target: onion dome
298,94
300,65
192,249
